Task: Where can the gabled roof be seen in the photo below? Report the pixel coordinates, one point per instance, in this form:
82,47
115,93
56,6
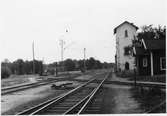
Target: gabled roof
115,29
154,44
139,51
149,44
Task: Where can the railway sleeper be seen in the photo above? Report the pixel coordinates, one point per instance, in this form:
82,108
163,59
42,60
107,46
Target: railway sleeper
91,112
94,107
74,99
57,110
78,96
62,107
70,101
66,105
53,111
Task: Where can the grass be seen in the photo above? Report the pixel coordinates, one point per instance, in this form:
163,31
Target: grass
156,78
130,76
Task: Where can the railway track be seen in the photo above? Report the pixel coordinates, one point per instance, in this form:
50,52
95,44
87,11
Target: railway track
156,107
8,90
26,86
75,101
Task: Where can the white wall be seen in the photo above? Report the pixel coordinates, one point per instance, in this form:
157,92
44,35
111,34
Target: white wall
121,42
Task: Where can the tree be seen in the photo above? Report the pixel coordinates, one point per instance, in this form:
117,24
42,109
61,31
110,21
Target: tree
5,72
20,66
150,32
98,65
27,67
91,63
40,67
69,65
24,67
81,65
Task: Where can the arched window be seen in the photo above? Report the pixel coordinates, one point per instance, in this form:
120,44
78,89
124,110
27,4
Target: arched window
126,66
126,33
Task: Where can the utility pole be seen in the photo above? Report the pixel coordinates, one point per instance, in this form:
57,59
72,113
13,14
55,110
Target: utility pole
62,51
84,59
33,57
62,42
43,66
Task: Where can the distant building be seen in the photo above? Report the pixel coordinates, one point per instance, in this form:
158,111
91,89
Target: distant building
150,56
125,34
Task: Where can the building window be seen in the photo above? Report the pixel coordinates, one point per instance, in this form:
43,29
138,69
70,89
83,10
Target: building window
127,50
127,66
162,63
145,62
126,33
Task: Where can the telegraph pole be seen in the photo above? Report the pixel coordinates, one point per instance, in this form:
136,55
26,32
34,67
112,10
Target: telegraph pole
84,59
33,57
62,51
43,66
62,42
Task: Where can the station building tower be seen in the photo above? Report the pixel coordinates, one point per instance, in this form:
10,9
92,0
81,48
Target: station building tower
125,34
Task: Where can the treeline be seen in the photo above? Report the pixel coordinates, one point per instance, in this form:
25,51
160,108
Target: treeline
71,65
20,67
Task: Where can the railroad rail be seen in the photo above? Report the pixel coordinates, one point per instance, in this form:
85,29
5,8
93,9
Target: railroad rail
131,83
26,86
156,107
73,102
8,90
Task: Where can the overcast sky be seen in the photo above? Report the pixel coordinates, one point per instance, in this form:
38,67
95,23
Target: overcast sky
90,24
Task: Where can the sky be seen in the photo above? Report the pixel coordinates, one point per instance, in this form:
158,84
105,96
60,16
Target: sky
90,25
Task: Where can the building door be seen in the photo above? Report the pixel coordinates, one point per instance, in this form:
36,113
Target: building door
126,66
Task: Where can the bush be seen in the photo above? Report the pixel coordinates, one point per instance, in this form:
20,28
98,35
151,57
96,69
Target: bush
125,73
5,72
51,71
